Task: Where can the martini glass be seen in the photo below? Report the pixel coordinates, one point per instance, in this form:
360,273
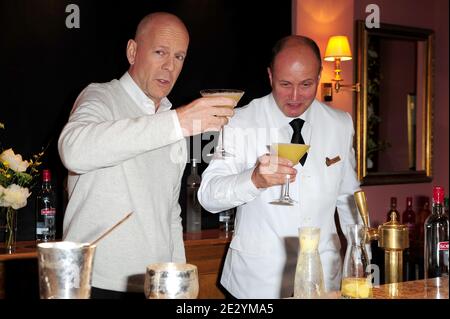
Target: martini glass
230,93
293,152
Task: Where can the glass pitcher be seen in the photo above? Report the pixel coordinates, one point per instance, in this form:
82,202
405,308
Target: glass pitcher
308,283
356,282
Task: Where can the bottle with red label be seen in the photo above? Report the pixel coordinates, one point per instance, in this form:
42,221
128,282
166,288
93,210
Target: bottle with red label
436,237
46,210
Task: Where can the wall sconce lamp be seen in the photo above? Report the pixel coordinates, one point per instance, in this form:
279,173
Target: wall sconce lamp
338,49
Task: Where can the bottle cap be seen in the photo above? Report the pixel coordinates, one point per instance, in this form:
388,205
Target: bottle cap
438,194
408,201
46,175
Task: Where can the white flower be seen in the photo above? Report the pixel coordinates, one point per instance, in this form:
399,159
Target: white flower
14,161
14,196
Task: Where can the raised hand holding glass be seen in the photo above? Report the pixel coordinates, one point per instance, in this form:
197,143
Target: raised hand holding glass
230,93
293,152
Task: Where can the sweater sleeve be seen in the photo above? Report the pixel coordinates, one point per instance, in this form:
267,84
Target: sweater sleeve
93,139
177,228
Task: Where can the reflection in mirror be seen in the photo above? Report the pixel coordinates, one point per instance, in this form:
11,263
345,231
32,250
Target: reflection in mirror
394,106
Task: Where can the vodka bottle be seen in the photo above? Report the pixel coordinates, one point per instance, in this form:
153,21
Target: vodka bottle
46,210
193,208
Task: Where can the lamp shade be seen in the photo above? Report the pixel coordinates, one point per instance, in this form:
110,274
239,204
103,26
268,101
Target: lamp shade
338,47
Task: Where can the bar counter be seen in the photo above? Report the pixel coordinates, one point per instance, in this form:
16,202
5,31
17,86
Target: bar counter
207,251
27,249
434,288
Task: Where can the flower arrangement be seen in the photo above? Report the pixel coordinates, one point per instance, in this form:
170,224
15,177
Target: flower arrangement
17,178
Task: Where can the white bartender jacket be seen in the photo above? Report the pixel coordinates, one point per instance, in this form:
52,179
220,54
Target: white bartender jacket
262,257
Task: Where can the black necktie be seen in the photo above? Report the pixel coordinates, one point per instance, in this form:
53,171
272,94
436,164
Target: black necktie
297,137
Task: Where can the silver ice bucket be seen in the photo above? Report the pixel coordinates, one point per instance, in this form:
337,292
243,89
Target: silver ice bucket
171,281
65,270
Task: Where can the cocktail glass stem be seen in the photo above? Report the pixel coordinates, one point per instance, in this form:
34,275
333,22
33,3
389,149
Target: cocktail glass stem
286,188
222,146
285,199
220,152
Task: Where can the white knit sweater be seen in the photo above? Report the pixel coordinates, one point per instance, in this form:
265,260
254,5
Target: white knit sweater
122,160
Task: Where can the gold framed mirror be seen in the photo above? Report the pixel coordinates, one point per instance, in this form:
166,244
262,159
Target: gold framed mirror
395,104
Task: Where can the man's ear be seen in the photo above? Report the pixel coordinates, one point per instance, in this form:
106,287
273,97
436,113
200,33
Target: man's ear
131,51
269,71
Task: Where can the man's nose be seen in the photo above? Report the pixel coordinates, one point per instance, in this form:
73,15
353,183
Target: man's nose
294,93
168,64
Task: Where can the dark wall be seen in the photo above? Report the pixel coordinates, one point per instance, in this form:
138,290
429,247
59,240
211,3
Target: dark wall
44,64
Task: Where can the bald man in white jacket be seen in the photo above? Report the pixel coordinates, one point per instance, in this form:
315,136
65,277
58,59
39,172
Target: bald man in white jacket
261,260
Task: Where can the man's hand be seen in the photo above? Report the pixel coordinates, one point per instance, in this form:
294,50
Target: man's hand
205,114
271,170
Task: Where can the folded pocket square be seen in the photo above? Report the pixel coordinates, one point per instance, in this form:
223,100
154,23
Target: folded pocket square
332,161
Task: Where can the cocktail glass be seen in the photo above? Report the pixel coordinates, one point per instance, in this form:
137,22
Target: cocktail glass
293,152
230,93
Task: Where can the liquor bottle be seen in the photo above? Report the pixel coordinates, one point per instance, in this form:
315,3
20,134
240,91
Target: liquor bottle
436,237
446,205
421,217
409,254
409,219
193,208
393,209
46,210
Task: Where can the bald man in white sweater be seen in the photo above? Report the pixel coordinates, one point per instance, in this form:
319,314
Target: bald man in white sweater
125,152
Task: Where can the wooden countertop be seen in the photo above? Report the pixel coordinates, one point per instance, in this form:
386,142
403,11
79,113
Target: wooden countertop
24,250
27,249
435,288
207,237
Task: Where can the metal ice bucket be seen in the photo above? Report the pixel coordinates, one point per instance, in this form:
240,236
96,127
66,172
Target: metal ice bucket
65,270
171,281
